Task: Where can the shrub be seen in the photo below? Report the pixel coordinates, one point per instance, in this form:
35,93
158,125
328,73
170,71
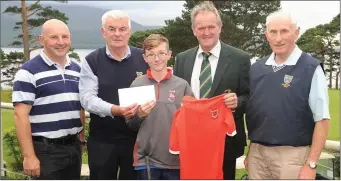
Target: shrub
16,165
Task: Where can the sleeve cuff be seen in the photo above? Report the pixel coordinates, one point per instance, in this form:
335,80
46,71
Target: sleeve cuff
24,102
321,119
323,115
232,134
107,109
174,152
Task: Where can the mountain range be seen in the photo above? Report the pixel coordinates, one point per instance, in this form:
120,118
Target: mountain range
84,24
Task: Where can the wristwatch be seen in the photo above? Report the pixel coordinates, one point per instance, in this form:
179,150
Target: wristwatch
312,164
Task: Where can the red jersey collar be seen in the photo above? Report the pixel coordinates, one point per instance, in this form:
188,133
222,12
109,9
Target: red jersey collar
168,75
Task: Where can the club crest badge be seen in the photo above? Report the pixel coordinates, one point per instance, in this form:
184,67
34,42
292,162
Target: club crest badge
287,80
214,113
171,95
139,74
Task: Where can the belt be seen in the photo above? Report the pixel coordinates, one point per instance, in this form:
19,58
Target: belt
266,144
66,140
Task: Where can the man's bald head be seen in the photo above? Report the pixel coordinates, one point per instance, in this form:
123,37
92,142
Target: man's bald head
53,24
56,39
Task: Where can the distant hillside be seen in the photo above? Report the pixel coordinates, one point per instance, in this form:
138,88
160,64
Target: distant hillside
84,24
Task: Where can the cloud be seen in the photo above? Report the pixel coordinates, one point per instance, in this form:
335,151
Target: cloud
152,13
309,13
312,13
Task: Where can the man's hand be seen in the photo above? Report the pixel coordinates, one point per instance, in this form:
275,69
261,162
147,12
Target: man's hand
231,100
32,166
128,112
82,149
145,109
307,173
82,139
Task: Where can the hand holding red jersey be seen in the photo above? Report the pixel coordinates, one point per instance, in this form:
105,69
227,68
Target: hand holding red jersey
198,134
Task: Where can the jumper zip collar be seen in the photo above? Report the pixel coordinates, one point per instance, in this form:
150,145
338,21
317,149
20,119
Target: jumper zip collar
150,76
168,75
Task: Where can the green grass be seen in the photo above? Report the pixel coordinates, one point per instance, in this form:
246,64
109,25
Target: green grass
6,96
334,130
7,118
334,106
240,173
7,122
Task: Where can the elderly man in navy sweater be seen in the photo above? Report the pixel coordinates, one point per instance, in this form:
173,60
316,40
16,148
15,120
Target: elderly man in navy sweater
104,71
288,113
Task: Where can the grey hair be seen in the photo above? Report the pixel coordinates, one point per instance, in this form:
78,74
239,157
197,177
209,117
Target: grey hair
116,14
281,14
206,6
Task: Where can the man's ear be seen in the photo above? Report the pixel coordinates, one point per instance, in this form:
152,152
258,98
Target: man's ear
193,30
103,31
41,39
170,54
297,33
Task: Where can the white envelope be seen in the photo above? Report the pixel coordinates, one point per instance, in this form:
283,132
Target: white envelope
139,95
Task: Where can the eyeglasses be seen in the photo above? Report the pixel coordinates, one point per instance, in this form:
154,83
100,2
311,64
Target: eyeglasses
160,55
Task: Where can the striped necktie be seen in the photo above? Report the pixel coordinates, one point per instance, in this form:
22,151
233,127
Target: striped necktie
205,76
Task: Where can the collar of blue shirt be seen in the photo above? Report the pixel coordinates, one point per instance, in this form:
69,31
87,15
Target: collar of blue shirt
49,62
292,59
127,55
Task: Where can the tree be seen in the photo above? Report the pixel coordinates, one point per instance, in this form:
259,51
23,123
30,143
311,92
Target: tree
179,33
337,86
322,42
138,37
32,16
10,63
243,26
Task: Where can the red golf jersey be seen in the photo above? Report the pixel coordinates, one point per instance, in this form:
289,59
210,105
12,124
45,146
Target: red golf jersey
198,134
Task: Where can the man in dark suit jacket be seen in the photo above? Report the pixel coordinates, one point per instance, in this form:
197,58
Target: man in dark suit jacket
228,70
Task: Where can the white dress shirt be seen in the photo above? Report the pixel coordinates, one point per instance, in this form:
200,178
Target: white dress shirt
195,82
88,89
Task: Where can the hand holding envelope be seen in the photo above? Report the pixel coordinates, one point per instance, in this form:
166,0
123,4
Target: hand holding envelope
127,112
145,109
143,96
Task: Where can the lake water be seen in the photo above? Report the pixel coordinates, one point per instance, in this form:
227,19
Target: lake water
81,52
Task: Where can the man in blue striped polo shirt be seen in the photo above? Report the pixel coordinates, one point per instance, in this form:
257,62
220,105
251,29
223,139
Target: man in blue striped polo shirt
49,119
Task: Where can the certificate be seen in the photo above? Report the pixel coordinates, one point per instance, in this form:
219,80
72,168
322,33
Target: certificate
138,95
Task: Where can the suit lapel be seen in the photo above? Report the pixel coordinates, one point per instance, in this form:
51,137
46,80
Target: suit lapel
223,64
189,64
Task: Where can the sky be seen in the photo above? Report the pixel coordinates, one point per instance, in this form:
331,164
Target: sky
312,13
307,13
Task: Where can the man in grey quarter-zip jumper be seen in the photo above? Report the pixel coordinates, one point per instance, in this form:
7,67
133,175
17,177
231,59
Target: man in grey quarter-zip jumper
154,119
